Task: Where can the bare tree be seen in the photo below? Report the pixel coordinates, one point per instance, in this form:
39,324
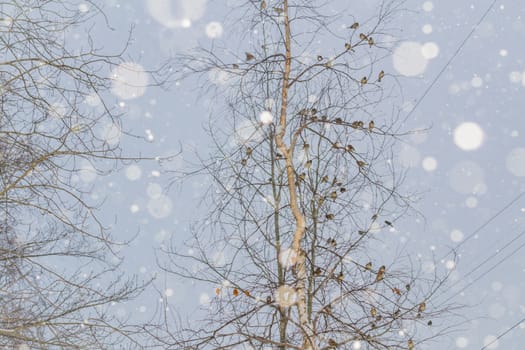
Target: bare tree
60,272
303,181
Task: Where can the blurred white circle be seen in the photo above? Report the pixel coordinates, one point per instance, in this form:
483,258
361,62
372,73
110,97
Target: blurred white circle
476,82
129,80
461,342
428,6
456,236
408,59
160,207
429,163
430,50
491,342
266,117
468,136
176,13
133,172
287,257
214,30
515,162
427,29
285,296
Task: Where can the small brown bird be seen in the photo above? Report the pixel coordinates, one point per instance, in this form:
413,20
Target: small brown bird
317,271
348,47
362,36
247,293
268,299
333,195
368,266
332,242
396,291
381,76
364,80
330,216
349,148
410,344
249,56
429,323
407,287
302,112
217,291
360,163
249,151
308,164
324,178
338,121
373,312
332,343
380,273
235,66
422,307
371,41
340,277
354,26
371,125
235,292
244,162
263,5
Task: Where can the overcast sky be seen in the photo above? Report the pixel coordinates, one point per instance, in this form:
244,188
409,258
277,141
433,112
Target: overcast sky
468,166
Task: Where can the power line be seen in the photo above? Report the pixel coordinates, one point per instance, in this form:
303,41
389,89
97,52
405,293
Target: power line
503,334
485,224
454,55
508,256
418,102
491,218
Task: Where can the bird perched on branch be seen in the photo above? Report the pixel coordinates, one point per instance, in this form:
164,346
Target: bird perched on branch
380,273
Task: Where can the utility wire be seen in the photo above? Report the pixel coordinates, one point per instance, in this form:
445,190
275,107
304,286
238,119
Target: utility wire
508,256
454,55
503,334
485,224
493,255
418,102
